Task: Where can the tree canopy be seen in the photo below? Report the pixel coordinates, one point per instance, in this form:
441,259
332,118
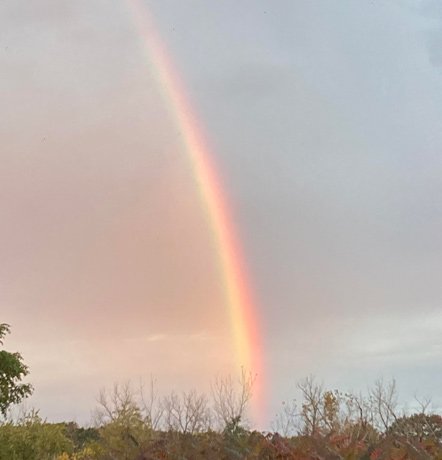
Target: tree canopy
12,372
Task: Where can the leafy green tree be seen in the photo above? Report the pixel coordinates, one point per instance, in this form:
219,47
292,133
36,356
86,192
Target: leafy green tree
12,372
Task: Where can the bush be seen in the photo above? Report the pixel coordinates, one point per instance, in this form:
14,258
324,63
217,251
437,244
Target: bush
31,438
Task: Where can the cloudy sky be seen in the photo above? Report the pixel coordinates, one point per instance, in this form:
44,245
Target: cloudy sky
325,119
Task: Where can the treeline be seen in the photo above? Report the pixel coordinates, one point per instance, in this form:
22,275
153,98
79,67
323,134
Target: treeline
138,424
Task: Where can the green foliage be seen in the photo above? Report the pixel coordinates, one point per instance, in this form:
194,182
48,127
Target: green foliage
12,371
31,438
81,437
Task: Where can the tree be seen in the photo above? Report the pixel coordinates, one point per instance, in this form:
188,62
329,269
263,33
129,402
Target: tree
12,371
418,427
287,421
230,398
30,438
123,429
383,398
189,413
312,406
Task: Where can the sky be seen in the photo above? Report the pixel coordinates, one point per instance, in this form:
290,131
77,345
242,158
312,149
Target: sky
324,119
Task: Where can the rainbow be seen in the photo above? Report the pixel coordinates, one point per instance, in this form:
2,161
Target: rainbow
242,310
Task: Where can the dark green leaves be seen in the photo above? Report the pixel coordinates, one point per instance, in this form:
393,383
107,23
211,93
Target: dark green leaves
12,372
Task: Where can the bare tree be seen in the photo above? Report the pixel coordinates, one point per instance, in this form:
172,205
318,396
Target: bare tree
151,406
117,405
287,421
188,413
383,398
230,398
359,417
423,403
